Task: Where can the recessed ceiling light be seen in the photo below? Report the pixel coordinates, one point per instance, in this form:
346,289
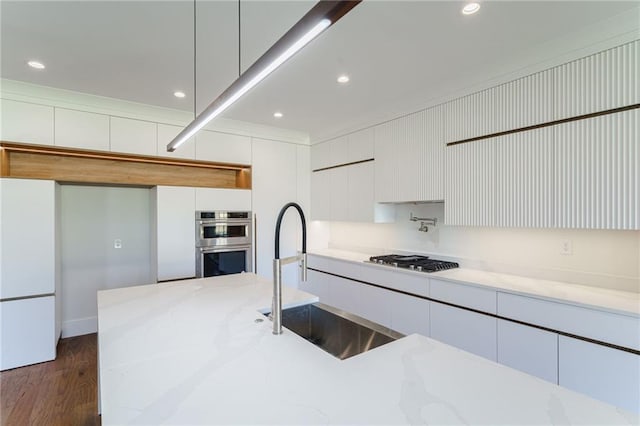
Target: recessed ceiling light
35,64
470,8
277,114
343,79
179,94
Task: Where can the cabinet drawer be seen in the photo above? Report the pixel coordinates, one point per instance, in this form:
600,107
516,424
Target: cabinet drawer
464,295
395,280
607,327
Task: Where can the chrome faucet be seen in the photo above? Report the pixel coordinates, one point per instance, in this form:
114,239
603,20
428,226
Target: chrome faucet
276,306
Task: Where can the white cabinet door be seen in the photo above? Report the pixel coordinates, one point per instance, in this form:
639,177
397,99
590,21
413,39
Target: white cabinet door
223,147
320,155
597,162
601,372
373,304
470,184
524,179
599,82
166,133
409,158
360,203
223,199
339,195
409,314
275,176
133,136
26,123
176,232
321,195
528,349
27,237
27,332
360,146
523,102
470,331
318,284
470,116
78,129
344,294
338,150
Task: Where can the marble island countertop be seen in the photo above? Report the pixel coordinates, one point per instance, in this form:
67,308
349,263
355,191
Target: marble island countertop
616,301
191,352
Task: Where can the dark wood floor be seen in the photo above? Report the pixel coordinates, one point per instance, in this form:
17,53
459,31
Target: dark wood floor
59,392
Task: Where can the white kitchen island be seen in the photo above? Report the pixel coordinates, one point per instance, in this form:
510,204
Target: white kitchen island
191,352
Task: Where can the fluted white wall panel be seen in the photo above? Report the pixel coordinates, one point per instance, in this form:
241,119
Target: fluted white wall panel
469,116
360,145
606,80
597,163
524,179
321,195
470,184
320,155
524,102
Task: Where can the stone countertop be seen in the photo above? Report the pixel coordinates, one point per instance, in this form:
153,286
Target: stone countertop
616,301
190,352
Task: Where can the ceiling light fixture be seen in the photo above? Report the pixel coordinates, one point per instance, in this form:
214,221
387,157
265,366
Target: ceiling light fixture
318,19
277,114
470,8
37,65
343,79
179,94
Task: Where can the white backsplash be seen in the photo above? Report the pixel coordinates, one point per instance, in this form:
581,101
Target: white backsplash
601,258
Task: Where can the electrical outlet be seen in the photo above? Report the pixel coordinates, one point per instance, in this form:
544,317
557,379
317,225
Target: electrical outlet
567,247
117,243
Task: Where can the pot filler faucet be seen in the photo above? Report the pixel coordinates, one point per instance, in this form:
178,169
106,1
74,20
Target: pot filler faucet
276,306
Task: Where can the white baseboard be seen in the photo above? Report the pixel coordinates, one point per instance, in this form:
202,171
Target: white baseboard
80,326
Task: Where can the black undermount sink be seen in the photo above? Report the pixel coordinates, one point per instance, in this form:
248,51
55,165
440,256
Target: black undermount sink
340,333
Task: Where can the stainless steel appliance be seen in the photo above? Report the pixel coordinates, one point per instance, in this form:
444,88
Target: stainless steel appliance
223,243
413,262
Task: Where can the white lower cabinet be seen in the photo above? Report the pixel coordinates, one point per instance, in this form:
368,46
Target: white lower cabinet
604,373
374,304
344,294
317,284
175,223
528,349
27,331
470,331
409,314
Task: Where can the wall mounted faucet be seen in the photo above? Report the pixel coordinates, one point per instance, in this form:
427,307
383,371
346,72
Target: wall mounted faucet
276,306
424,221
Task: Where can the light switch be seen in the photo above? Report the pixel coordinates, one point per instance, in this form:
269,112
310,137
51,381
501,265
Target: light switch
117,243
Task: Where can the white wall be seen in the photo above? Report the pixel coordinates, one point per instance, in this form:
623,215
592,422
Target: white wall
92,217
602,258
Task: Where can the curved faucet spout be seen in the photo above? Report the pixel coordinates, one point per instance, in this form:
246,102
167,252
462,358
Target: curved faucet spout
279,222
276,306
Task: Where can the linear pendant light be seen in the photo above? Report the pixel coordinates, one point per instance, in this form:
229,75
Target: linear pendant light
320,17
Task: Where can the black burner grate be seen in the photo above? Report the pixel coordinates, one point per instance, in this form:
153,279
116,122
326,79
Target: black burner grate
413,262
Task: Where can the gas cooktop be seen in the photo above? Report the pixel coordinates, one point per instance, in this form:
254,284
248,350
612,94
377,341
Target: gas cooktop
413,262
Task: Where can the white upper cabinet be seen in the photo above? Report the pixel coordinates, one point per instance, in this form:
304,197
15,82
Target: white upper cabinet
133,136
339,194
26,123
27,237
338,149
360,146
597,162
524,102
175,206
470,116
166,133
470,185
78,129
409,158
524,179
223,147
320,156
321,195
223,199
606,80
360,203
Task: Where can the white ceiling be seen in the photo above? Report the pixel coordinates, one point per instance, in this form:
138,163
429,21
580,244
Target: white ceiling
399,55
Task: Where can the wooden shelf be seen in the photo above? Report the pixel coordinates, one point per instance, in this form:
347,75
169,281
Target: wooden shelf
78,165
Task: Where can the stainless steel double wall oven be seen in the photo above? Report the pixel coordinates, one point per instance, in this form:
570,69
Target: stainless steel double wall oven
223,243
